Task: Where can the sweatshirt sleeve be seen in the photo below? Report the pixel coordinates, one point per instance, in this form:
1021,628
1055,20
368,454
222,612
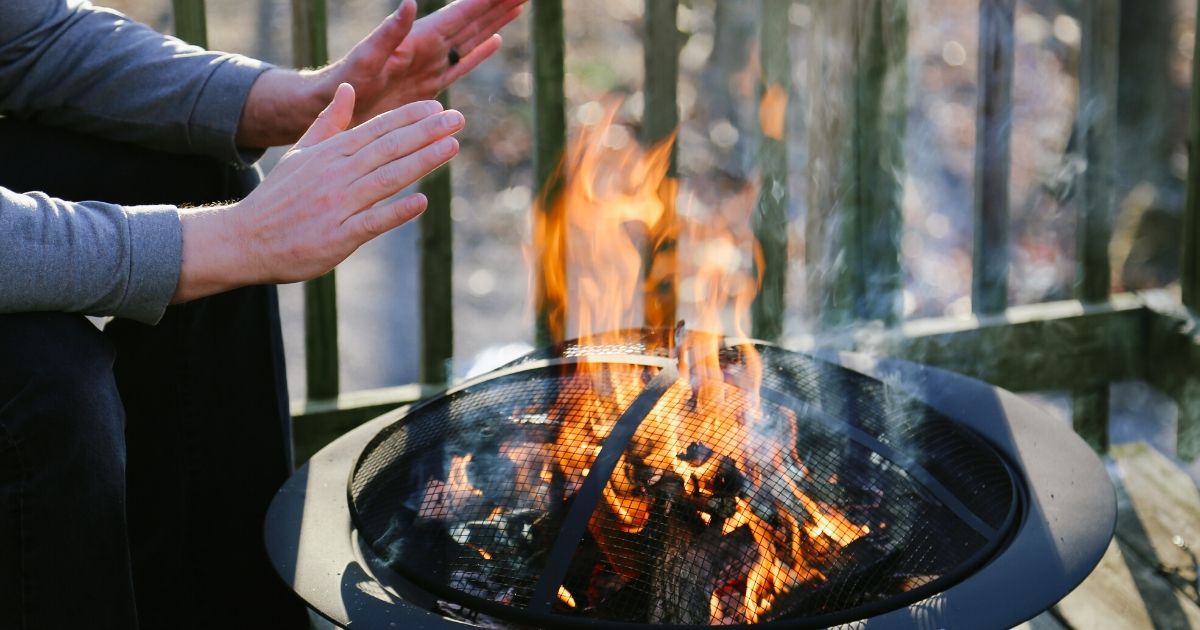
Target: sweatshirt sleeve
93,258
68,63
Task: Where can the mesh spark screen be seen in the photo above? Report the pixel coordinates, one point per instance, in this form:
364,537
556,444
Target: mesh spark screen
822,495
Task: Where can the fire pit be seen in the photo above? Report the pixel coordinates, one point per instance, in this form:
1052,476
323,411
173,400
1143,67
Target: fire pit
677,480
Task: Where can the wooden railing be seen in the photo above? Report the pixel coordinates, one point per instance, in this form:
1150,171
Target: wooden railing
1081,345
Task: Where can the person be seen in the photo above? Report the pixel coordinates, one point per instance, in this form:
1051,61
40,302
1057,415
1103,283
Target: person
115,507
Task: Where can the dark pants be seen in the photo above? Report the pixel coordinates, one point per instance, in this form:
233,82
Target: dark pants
136,464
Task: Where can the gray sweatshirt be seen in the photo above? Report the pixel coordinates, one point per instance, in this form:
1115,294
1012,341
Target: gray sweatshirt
67,63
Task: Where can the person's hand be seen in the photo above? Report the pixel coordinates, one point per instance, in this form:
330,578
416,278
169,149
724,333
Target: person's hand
401,61
322,201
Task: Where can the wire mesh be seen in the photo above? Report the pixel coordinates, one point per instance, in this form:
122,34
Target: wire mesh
820,494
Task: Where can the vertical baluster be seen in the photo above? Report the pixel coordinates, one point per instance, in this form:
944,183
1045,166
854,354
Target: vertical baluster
1188,396
771,207
437,264
856,164
659,122
190,23
989,283
320,294
1190,271
550,133
1096,133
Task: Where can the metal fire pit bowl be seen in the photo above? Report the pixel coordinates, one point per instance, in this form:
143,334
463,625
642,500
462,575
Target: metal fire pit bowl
970,508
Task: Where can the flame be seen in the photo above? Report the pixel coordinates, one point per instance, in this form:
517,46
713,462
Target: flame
611,208
565,597
458,479
772,113
614,205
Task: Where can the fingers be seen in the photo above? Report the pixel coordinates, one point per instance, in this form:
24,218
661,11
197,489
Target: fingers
386,122
378,46
372,222
332,120
457,15
394,176
484,26
473,59
406,140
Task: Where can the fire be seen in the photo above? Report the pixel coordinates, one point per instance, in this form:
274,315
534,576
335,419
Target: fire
565,597
710,462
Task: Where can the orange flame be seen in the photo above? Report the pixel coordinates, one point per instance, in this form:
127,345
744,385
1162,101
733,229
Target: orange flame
613,206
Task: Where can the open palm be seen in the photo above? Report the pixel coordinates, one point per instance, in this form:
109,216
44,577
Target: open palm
404,61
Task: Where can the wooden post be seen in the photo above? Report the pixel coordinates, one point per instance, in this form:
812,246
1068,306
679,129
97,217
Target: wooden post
190,23
660,119
1097,125
1188,396
1190,265
989,283
437,263
771,208
550,133
320,294
856,162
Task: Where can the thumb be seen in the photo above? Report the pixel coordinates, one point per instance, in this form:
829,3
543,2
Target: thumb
375,49
334,119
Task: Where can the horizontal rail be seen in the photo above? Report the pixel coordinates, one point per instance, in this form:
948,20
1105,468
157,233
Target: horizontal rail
316,423
1173,365
1053,345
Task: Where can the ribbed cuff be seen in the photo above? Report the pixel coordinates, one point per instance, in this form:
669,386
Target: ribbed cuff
214,121
156,257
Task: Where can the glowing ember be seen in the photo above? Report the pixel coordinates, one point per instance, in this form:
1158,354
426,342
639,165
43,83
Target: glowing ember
565,597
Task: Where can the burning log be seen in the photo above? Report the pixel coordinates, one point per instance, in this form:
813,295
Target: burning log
679,593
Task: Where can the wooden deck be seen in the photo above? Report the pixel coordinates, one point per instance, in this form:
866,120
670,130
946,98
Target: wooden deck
1148,577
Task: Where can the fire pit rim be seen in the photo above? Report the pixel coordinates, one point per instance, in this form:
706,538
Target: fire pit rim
1044,516
549,620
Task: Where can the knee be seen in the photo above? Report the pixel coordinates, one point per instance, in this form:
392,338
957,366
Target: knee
51,349
56,376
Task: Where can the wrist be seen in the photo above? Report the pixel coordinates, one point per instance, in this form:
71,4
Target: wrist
280,107
215,258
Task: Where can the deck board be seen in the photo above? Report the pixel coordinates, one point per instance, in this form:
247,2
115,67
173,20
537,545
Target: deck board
1044,621
1164,501
1144,580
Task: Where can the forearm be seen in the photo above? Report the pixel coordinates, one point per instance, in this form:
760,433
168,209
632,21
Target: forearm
94,258
96,71
280,106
